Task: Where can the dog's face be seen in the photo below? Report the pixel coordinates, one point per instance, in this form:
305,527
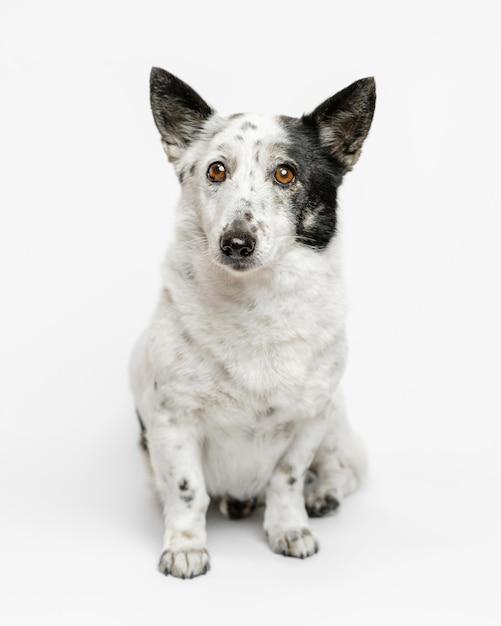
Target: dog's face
260,185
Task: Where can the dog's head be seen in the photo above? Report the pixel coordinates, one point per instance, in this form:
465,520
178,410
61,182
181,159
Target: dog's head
260,185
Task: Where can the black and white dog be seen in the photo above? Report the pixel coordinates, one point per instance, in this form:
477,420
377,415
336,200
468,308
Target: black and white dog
236,380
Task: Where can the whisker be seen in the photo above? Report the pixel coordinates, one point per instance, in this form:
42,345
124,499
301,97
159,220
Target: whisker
202,240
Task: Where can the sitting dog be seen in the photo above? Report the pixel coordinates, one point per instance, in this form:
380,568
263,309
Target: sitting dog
236,379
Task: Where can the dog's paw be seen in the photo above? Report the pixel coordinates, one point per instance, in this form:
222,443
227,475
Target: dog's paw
299,543
320,504
236,509
184,563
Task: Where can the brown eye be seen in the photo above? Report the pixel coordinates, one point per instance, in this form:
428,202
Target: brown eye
285,175
216,172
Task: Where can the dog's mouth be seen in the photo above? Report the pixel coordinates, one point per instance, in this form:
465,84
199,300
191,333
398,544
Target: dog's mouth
239,265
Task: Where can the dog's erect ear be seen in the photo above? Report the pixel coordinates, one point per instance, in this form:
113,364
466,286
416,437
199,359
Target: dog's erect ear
179,112
343,120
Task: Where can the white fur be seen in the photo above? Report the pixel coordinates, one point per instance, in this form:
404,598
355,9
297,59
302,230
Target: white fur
237,377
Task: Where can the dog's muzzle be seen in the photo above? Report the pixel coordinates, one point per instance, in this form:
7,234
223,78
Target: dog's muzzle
237,246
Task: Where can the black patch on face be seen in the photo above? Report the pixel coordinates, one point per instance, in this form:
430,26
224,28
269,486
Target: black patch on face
314,200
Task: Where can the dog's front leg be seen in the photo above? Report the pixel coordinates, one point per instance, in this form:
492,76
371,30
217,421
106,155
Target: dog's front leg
176,460
286,521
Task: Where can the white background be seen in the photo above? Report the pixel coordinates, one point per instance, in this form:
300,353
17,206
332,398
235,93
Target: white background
87,202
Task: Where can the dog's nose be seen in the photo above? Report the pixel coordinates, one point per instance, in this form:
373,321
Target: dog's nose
238,244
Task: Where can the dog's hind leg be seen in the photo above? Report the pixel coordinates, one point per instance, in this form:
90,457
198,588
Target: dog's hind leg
337,468
236,509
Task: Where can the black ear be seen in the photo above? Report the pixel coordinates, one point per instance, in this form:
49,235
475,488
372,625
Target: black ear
343,121
178,111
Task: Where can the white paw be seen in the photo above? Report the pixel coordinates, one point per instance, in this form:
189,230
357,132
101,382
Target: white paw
184,563
298,542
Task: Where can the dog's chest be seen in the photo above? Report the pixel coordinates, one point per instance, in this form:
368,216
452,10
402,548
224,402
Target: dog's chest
273,346
268,353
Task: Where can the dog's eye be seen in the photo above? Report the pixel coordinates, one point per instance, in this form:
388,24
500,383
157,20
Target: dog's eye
216,172
285,174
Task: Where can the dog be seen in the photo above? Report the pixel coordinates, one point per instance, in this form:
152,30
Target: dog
236,380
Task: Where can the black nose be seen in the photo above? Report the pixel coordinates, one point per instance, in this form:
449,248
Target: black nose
238,244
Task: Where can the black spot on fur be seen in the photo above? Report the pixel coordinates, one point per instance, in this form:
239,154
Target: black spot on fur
248,126
143,441
186,493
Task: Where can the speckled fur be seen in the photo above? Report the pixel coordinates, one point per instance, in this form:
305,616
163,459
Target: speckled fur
236,379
